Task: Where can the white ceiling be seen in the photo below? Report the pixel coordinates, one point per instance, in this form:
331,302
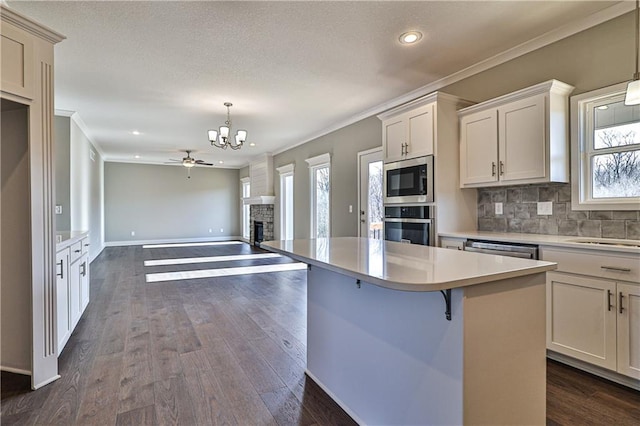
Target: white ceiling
293,70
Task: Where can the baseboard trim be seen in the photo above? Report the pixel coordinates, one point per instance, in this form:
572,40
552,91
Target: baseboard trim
342,405
170,240
15,370
46,382
595,370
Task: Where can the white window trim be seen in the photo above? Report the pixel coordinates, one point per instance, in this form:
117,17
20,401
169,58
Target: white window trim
318,162
244,181
581,198
284,171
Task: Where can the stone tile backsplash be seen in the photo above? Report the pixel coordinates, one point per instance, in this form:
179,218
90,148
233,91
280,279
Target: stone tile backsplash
520,214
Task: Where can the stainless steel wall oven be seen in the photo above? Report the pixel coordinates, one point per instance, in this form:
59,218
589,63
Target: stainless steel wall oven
409,224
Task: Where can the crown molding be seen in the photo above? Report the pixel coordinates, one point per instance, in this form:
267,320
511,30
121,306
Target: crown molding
75,116
27,24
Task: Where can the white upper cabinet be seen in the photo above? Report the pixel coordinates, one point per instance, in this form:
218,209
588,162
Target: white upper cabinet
479,147
408,134
518,138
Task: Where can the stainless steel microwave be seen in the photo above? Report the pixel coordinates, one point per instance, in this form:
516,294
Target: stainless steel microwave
409,181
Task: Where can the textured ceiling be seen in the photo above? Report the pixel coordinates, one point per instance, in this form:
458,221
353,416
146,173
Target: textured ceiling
291,69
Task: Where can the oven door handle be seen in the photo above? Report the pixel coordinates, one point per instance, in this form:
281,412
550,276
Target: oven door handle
400,220
499,252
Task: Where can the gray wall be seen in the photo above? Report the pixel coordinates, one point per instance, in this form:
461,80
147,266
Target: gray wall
62,158
15,286
594,58
159,202
343,145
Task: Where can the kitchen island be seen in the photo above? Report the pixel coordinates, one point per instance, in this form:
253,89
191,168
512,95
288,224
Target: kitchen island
380,343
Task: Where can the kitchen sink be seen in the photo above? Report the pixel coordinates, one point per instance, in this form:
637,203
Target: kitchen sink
600,242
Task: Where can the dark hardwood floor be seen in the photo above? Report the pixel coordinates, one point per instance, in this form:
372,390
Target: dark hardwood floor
227,350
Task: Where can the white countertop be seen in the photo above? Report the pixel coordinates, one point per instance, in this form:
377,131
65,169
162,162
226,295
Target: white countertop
549,240
407,267
66,238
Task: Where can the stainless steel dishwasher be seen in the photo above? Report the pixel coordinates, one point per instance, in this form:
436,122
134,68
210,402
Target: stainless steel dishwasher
524,251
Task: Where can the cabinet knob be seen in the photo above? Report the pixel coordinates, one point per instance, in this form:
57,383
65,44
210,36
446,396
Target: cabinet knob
77,251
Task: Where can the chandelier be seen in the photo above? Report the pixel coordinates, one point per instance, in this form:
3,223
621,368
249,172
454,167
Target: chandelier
220,138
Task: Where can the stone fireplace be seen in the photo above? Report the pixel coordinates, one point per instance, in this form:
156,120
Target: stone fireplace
261,213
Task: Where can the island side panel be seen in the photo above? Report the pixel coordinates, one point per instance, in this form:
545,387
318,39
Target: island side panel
386,356
505,352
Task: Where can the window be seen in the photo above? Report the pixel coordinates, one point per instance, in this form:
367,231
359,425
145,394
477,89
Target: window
286,201
605,148
320,171
246,209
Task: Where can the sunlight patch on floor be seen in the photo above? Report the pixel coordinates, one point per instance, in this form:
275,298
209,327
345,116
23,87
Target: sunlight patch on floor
223,272
215,243
190,260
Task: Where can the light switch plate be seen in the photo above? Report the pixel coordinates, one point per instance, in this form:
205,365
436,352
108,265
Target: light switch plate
498,208
545,208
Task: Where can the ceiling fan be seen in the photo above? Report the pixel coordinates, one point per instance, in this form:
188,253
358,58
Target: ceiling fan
189,162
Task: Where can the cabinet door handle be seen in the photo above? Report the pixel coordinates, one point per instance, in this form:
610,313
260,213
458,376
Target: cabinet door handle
616,268
84,269
620,302
86,245
609,294
501,168
493,168
77,251
61,274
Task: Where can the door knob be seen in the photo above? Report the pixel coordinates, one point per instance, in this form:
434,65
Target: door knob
363,221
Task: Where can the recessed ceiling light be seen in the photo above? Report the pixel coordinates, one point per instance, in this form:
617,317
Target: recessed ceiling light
136,156
252,144
221,162
135,132
410,37
603,107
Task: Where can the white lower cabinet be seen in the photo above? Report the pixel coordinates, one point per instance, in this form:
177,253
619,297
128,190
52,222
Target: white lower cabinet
595,319
74,300
63,291
629,330
72,292
581,322
452,243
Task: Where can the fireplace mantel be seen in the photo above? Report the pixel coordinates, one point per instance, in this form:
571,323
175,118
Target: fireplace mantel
261,199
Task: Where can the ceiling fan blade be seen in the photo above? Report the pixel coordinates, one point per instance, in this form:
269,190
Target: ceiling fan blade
202,163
